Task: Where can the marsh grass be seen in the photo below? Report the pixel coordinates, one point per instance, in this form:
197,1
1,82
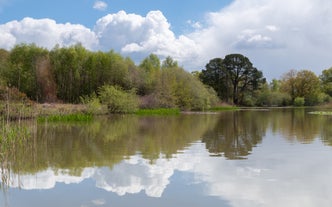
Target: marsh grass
158,112
77,117
13,135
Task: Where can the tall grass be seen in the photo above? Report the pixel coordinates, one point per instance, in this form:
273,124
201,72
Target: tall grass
78,117
13,135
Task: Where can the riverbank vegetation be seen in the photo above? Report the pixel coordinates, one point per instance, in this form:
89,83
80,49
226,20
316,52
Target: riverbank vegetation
78,117
73,74
237,81
106,82
159,112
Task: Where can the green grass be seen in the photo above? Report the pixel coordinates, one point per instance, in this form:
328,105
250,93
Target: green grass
160,111
224,108
78,117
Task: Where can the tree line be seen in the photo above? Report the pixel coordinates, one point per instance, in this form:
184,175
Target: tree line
237,81
74,74
70,73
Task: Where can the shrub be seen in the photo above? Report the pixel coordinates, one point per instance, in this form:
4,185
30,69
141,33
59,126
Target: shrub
179,89
117,100
92,104
299,101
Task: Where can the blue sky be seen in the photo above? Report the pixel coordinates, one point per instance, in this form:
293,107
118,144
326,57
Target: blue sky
178,13
276,35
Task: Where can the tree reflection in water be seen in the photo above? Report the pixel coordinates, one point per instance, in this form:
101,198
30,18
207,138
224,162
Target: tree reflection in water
236,133
105,142
108,141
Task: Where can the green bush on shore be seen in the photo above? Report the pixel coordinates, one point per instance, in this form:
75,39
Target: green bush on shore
118,100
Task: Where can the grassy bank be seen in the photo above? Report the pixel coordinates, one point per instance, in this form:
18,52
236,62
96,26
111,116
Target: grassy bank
76,117
160,111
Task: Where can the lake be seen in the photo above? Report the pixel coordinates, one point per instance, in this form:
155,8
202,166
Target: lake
277,158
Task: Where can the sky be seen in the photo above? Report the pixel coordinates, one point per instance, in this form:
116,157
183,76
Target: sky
276,35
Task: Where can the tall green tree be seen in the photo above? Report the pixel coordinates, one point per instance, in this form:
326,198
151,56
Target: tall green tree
326,78
4,64
288,83
150,72
216,76
234,78
68,64
244,77
169,63
22,73
302,84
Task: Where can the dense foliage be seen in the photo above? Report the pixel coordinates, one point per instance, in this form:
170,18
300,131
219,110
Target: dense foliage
70,73
234,78
73,74
236,81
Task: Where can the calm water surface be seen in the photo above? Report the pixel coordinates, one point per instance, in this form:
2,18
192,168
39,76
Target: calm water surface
232,159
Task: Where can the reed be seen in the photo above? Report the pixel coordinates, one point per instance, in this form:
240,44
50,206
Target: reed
77,117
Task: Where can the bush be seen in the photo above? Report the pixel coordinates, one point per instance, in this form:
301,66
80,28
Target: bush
299,101
92,104
117,100
273,99
179,89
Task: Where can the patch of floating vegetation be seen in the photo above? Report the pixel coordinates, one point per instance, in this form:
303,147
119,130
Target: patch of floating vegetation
325,113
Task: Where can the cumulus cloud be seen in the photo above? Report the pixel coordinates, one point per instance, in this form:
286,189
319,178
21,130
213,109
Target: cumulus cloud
46,33
276,35
194,24
100,5
135,34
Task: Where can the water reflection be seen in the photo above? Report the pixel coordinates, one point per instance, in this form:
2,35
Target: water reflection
261,153
298,124
236,133
107,141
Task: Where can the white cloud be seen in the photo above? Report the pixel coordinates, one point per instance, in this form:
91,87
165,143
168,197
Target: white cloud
276,35
100,5
46,33
272,28
194,24
282,34
99,202
135,34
